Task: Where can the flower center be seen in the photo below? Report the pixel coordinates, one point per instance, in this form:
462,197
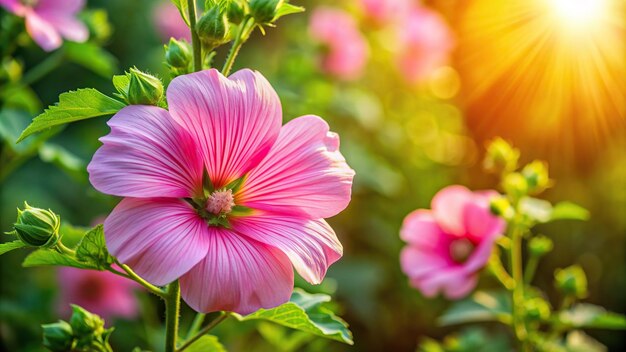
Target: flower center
461,249
220,202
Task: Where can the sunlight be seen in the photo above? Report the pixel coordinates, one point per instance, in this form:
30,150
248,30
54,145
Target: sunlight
578,14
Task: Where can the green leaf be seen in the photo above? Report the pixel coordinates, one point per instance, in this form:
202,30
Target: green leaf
569,211
62,158
47,257
92,57
578,341
92,249
183,7
287,9
584,315
9,246
305,312
481,306
73,106
207,343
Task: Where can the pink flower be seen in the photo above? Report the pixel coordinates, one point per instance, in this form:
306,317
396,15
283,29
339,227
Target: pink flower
49,20
385,11
232,247
425,44
347,50
100,292
449,244
169,23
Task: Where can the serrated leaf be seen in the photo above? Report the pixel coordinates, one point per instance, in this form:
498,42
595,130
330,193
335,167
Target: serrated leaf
207,343
92,249
9,246
585,315
569,211
48,257
73,106
481,306
305,312
287,9
92,57
182,6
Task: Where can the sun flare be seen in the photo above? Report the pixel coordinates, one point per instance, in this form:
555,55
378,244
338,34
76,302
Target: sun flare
578,14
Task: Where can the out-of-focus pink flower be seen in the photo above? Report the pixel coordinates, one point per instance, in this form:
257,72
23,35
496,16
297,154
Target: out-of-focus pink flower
385,11
449,244
100,292
48,21
346,48
233,247
169,23
425,43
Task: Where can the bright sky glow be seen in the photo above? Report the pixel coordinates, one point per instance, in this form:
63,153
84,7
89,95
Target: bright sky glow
578,13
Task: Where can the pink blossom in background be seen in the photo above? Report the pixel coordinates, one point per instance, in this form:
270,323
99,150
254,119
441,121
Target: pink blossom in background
48,21
167,228
346,48
100,292
169,23
385,11
425,43
448,245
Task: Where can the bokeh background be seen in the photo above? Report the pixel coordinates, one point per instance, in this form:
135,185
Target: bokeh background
548,75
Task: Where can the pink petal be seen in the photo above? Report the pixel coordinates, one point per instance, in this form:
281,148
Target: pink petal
421,229
304,173
146,155
160,238
234,121
461,287
69,27
42,32
480,256
60,6
417,262
479,221
311,245
14,6
448,207
454,282
238,274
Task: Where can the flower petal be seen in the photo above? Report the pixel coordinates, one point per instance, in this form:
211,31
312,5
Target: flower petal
238,274
304,173
42,32
448,208
311,245
160,238
420,229
454,282
14,6
61,6
479,221
416,262
234,121
146,155
69,27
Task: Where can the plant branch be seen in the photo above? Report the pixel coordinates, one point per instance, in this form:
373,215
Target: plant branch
195,39
132,275
172,310
245,29
204,331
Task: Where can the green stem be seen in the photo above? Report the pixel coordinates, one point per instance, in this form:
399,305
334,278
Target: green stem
220,318
531,268
518,291
196,324
496,268
64,250
245,29
195,39
172,310
132,275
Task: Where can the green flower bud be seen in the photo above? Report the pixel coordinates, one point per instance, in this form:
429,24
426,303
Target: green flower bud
501,206
264,11
515,185
178,54
213,27
37,227
144,89
86,324
58,337
572,281
236,11
536,174
540,245
537,309
501,157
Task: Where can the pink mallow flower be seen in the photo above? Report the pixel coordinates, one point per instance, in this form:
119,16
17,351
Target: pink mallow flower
346,48
47,21
169,23
100,292
425,43
449,244
266,192
385,11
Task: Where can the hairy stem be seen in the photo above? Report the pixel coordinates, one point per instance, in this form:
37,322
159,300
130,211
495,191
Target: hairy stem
172,310
132,275
195,39
245,29
519,324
